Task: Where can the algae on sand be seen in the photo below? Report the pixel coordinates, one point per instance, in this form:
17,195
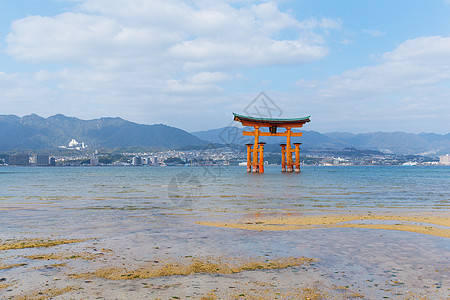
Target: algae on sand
36,243
211,265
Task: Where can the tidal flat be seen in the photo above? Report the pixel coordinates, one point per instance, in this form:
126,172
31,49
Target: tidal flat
433,223
327,233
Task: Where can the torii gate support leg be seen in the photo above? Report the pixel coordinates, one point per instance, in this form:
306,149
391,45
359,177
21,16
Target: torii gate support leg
255,151
283,157
290,166
297,157
249,157
261,157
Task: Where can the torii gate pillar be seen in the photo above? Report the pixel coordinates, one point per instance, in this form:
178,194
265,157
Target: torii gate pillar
297,157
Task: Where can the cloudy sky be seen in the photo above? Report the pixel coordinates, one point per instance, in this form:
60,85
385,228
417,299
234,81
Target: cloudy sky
353,65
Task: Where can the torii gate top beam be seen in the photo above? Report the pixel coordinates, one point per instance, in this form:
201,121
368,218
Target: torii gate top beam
269,122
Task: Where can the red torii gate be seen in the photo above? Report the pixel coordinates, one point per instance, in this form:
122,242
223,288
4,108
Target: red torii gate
255,151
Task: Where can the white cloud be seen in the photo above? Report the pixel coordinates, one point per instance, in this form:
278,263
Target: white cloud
410,86
201,82
121,57
202,36
257,51
324,23
19,92
415,63
65,37
374,33
432,50
209,77
86,39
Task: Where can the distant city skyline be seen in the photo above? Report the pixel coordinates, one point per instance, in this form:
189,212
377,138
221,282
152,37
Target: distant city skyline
354,66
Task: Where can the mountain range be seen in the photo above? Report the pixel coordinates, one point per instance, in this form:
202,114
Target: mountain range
33,132
388,142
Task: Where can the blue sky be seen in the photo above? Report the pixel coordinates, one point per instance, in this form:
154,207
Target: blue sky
356,66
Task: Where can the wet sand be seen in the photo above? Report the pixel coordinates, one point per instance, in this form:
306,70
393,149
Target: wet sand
345,256
437,224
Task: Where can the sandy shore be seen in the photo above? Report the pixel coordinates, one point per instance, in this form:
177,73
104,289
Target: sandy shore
437,224
349,256
175,278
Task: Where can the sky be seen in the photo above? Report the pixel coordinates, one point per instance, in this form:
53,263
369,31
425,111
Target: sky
352,65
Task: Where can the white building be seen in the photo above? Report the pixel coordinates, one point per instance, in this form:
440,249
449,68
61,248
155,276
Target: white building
137,161
73,144
148,161
444,160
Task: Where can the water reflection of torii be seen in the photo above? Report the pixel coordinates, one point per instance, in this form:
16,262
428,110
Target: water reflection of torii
255,151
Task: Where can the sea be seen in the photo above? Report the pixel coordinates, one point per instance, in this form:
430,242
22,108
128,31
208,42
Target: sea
53,199
137,211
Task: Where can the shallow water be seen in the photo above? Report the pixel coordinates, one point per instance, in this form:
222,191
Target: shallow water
148,212
106,198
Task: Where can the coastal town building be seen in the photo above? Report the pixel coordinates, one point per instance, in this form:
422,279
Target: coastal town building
137,161
224,156
73,144
42,160
19,160
94,161
444,160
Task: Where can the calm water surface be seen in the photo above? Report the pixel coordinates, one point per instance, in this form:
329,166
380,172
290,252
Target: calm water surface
65,198
76,187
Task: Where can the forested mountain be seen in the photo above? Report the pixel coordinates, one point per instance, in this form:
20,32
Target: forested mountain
34,132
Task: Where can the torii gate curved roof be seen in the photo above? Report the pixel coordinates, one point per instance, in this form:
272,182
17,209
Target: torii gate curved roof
270,122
